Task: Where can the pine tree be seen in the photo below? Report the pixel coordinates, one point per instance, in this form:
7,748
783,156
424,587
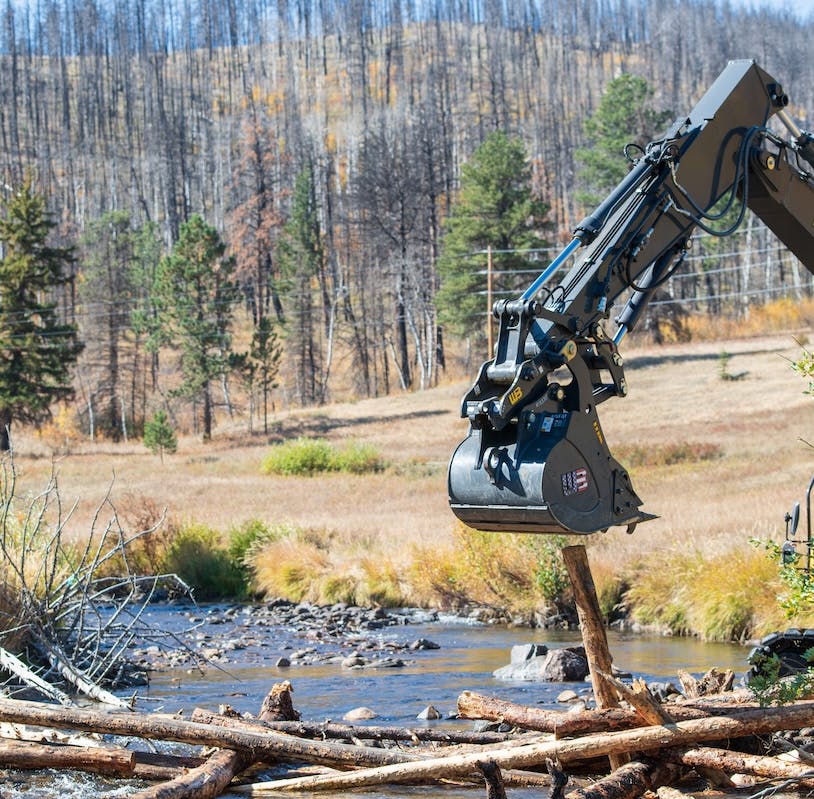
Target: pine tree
37,348
496,208
194,294
302,258
159,437
625,116
106,293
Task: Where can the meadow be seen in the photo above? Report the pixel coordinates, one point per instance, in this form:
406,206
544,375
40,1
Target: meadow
713,432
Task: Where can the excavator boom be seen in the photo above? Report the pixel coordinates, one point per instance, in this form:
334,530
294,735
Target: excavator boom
535,459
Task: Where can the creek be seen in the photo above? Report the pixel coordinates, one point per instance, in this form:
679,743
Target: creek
323,689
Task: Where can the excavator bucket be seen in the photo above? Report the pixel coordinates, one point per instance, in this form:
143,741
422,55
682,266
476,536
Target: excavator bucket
547,473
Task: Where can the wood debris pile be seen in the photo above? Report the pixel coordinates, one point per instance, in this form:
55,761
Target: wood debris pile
716,737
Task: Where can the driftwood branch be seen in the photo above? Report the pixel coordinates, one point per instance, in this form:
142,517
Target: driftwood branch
565,724
628,781
35,756
641,700
204,782
494,779
351,732
740,763
746,722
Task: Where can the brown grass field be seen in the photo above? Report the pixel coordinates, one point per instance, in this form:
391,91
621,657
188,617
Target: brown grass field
677,397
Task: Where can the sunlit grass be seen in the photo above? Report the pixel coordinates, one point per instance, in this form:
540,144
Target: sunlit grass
312,456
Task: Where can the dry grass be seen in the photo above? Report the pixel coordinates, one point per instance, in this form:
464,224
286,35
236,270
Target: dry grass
677,402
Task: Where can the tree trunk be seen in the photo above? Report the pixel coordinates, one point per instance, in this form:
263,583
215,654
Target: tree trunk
5,430
204,782
593,631
629,781
739,763
34,756
744,722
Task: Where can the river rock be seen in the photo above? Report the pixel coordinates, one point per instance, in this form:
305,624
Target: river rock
429,713
424,643
282,663
360,714
566,697
559,665
353,661
523,652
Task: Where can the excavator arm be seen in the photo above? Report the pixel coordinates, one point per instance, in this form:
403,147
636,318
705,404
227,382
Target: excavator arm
536,459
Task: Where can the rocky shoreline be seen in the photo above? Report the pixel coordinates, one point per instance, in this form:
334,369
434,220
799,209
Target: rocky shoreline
269,633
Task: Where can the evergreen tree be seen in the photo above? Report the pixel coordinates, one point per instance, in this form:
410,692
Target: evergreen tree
265,354
195,294
496,208
625,116
37,348
302,259
258,368
159,437
106,293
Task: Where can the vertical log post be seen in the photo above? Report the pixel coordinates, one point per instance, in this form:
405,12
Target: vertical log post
593,631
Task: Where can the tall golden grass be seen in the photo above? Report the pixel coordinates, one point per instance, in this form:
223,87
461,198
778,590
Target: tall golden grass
718,461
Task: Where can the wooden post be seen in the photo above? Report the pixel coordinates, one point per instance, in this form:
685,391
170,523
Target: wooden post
593,630
490,331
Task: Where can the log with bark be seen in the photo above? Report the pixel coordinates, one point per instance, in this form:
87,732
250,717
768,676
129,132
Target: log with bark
207,781
741,763
629,781
27,755
351,732
745,722
565,724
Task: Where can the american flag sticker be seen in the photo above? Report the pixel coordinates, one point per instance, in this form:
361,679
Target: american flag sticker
574,482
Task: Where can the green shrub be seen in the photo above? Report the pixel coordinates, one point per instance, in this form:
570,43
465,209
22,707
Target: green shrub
247,538
310,456
357,458
197,555
302,456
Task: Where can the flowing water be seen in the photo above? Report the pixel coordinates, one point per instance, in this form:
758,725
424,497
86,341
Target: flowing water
467,656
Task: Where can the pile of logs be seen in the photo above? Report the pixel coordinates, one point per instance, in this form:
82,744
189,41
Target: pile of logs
654,744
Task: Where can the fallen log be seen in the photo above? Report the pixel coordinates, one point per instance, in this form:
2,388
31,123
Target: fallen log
27,755
477,706
746,722
510,777
15,666
265,743
363,755
204,782
629,781
740,763
350,732
562,723
155,767
638,696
